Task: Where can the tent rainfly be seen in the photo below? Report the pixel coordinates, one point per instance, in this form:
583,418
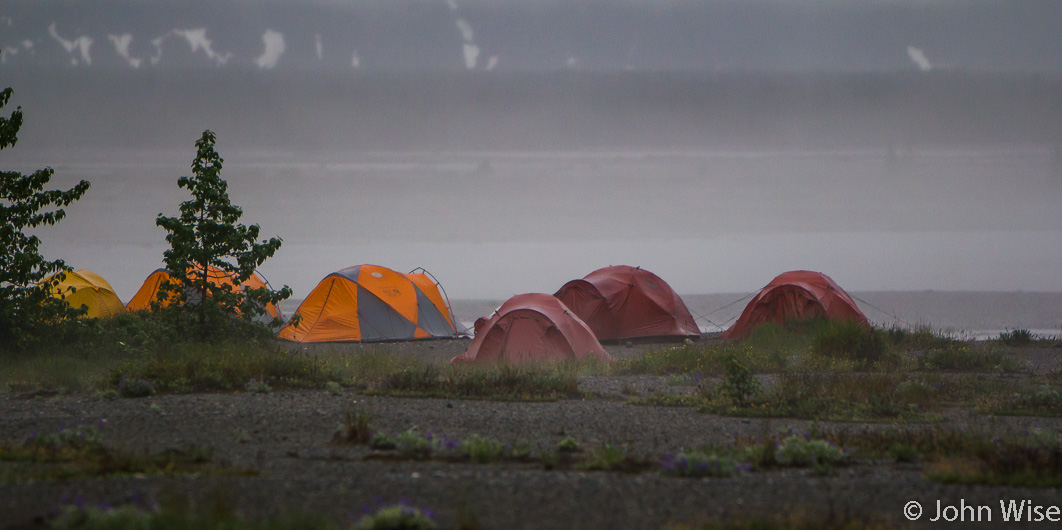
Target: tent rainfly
86,288
624,302
796,295
530,328
370,303
149,290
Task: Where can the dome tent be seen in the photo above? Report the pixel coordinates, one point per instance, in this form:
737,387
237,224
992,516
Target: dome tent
149,290
623,302
532,327
796,295
370,303
86,288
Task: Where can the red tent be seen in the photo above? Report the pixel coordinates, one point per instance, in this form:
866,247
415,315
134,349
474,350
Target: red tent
624,302
796,295
532,328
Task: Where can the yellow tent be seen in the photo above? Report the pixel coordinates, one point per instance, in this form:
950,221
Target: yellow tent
86,288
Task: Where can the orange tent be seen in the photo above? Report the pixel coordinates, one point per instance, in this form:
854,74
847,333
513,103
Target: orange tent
149,290
624,302
796,295
532,328
368,303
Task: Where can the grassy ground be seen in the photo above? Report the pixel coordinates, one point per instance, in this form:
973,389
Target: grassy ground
905,392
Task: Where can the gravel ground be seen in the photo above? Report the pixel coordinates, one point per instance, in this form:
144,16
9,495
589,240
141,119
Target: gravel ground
286,437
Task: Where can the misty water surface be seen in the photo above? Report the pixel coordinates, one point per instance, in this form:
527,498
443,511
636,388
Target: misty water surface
490,225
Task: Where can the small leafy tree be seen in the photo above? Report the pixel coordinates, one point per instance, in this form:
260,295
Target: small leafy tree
740,384
208,235
24,205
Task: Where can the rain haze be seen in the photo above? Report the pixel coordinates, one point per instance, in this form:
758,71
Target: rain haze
508,147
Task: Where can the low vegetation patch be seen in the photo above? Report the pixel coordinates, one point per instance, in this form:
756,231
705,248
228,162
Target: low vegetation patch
969,357
805,451
1016,337
1044,399
143,512
355,429
789,523
695,463
1004,463
670,400
78,451
1029,459
502,382
838,397
415,445
871,397
819,345
693,362
904,444
401,516
610,457
918,338
568,445
850,341
207,367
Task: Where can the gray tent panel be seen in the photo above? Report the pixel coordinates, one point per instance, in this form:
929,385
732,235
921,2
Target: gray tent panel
380,321
429,319
350,273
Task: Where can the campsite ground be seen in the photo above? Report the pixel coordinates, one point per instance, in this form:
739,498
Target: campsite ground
273,453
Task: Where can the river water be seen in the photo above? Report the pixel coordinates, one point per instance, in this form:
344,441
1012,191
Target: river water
960,239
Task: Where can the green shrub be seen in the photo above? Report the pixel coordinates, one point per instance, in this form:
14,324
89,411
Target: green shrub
1042,400
606,457
1016,337
79,437
481,450
687,359
918,391
412,444
397,517
549,459
700,464
970,358
844,397
904,453
804,451
740,385
920,338
257,386
135,386
355,428
787,338
72,517
762,455
209,367
1015,462
568,445
520,449
382,441
143,514
844,339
